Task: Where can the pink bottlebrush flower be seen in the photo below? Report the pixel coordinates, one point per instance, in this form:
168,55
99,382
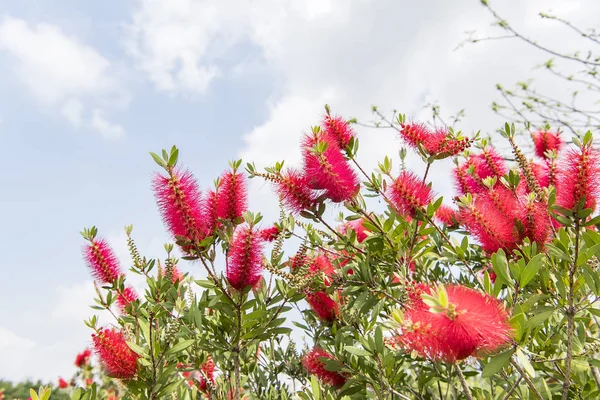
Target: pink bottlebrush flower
446,215
488,163
103,262
124,299
323,305
83,358
546,140
408,193
328,170
232,197
315,366
493,229
270,234
358,227
578,177
472,323
244,261
321,263
438,144
541,172
62,384
338,130
294,191
536,222
465,182
114,353
179,200
209,211
415,134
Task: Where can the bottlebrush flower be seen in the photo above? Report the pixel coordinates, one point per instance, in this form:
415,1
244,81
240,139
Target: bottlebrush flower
244,261
408,193
328,170
536,221
293,190
469,324
323,305
439,143
103,262
358,227
83,358
209,211
541,172
179,200
62,384
315,366
232,197
338,130
125,298
114,353
205,375
446,215
89,382
489,163
465,182
493,229
269,234
578,177
546,140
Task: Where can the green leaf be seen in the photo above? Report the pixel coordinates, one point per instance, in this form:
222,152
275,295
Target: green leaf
356,351
531,270
158,160
497,363
500,265
316,389
379,346
184,344
171,387
524,361
139,350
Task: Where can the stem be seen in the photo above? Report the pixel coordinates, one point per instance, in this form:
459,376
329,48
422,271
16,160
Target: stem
236,359
527,380
570,311
463,382
151,325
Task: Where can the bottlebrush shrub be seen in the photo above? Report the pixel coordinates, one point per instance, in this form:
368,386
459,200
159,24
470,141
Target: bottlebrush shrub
492,297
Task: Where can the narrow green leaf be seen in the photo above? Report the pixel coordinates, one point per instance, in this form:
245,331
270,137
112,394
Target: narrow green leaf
531,270
497,363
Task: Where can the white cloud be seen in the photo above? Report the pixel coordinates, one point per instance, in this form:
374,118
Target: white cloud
72,109
106,128
59,70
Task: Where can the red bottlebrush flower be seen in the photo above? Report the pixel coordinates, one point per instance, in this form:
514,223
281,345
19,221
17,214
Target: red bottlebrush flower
114,353
232,197
465,182
578,177
177,275
323,305
544,141
438,144
338,130
179,200
125,298
206,374
244,261
329,170
541,172
83,358
315,366
446,215
358,227
294,192
103,262
62,384
321,263
408,193
536,221
491,226
89,382
270,234
471,323
489,163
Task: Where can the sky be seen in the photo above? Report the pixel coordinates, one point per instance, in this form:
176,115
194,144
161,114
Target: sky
88,88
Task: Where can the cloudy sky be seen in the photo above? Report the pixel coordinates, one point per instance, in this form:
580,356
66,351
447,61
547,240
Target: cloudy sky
88,88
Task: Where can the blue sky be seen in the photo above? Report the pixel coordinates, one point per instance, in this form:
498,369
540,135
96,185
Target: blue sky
88,88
